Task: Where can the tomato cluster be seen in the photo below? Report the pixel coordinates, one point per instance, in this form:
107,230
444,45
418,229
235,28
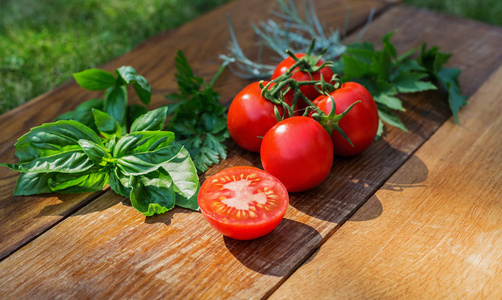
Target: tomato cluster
296,152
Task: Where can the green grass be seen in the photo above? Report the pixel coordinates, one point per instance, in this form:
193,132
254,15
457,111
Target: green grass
43,42
489,11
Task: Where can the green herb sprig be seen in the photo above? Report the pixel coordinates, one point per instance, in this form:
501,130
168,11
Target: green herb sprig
146,165
116,97
197,116
89,148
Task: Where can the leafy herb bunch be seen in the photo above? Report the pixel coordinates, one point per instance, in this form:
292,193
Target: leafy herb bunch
110,142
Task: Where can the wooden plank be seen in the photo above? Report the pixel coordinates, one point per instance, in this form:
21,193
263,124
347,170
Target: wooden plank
433,231
23,218
108,249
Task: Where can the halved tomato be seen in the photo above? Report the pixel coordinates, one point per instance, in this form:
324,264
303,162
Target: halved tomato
243,203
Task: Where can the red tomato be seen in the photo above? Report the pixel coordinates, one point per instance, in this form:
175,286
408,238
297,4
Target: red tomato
250,116
308,90
360,124
299,152
243,202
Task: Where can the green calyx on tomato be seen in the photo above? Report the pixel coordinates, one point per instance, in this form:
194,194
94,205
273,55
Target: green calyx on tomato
243,202
357,124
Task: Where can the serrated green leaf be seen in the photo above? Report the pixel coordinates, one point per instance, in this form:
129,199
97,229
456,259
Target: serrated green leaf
153,120
106,125
412,83
95,79
387,116
449,78
389,101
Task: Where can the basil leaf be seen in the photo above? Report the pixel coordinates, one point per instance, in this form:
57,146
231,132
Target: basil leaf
95,79
83,113
144,141
129,76
115,103
146,162
183,173
119,183
97,153
54,147
153,120
150,195
32,184
106,125
134,111
142,152
91,181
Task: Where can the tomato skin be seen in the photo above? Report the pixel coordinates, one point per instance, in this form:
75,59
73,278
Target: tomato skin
250,116
308,90
249,186
299,152
360,124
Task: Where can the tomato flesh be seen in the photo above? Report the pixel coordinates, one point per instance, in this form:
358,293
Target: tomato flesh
243,203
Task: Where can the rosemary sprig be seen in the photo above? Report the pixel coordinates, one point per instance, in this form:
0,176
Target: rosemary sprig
295,33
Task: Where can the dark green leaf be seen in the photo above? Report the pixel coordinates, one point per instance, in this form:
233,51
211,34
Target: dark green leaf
153,120
134,111
95,79
152,195
116,103
33,184
387,116
54,147
106,125
183,173
83,113
412,83
449,78
143,152
97,153
129,76
120,183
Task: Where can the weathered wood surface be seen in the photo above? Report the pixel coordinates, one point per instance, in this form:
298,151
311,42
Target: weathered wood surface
23,218
107,249
439,230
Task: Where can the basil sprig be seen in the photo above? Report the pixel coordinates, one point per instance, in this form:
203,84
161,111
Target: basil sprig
146,165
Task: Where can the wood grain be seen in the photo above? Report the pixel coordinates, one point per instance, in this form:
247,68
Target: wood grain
109,250
439,235
23,218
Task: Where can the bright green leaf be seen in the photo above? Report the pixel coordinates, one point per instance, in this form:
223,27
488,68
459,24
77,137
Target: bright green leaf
153,120
95,79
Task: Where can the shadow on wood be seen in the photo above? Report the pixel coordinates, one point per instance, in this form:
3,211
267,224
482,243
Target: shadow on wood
275,254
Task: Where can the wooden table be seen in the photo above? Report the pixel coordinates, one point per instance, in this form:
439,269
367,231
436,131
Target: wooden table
418,215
